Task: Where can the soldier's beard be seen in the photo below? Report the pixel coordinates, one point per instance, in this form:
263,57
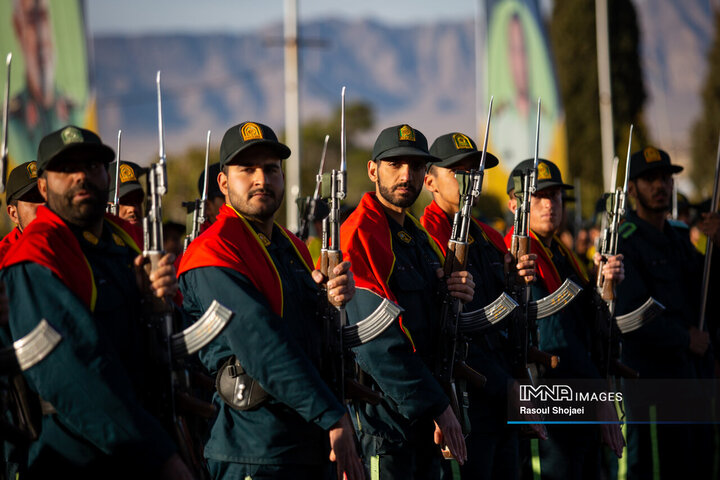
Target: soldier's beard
646,203
84,213
388,193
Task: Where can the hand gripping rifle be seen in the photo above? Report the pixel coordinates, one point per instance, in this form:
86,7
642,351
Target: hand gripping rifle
313,208
196,208
171,349
524,328
112,208
607,339
339,337
6,119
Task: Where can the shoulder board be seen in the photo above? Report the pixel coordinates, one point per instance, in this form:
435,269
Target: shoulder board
679,224
627,229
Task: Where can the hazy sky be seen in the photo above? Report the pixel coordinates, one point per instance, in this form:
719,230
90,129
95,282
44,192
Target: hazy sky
145,16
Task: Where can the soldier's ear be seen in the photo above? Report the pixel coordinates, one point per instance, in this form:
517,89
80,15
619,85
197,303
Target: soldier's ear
223,183
429,182
512,204
12,213
42,186
372,170
632,188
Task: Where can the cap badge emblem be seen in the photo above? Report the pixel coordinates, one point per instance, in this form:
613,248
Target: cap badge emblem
651,154
407,133
32,169
250,131
544,171
127,174
462,142
71,135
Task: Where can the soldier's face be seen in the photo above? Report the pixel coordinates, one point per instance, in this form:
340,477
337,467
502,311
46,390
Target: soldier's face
130,207
653,190
212,208
546,211
76,190
256,185
441,182
398,180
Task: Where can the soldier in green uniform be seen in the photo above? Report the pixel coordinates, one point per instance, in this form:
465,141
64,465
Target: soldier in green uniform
660,262
394,256
279,419
80,270
492,444
130,191
571,451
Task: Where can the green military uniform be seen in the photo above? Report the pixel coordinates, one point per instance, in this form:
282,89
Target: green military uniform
290,429
396,435
95,377
663,265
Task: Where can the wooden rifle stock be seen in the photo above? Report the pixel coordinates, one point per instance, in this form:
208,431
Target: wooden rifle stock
534,355
355,390
463,371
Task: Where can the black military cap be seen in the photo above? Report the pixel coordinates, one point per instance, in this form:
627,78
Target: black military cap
130,172
22,179
455,147
248,134
213,187
401,140
60,144
651,158
548,174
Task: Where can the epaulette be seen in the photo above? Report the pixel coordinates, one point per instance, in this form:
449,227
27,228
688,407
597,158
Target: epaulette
627,229
679,224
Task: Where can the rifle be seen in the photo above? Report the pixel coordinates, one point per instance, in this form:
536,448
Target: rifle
313,208
6,119
170,349
196,208
524,328
339,337
608,327
709,249
113,207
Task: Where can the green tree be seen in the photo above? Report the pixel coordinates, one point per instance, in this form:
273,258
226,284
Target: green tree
573,38
705,131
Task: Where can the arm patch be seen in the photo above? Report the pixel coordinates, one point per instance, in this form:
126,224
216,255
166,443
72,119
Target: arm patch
627,229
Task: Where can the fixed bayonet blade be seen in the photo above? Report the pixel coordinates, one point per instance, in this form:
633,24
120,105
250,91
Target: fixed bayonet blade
6,119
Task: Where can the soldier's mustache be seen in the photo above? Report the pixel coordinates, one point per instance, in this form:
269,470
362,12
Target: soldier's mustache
264,191
407,185
87,186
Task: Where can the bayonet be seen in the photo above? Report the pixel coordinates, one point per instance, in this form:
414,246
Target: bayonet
313,208
6,120
196,208
113,207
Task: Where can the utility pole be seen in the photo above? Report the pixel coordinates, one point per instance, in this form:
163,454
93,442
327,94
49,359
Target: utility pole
292,115
604,92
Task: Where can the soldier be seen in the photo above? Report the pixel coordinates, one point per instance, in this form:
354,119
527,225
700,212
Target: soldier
80,270
278,426
571,451
130,192
660,262
394,256
492,444
23,198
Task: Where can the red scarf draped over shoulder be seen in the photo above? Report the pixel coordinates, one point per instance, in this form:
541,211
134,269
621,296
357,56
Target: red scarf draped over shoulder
232,243
544,265
9,240
437,223
366,241
49,242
